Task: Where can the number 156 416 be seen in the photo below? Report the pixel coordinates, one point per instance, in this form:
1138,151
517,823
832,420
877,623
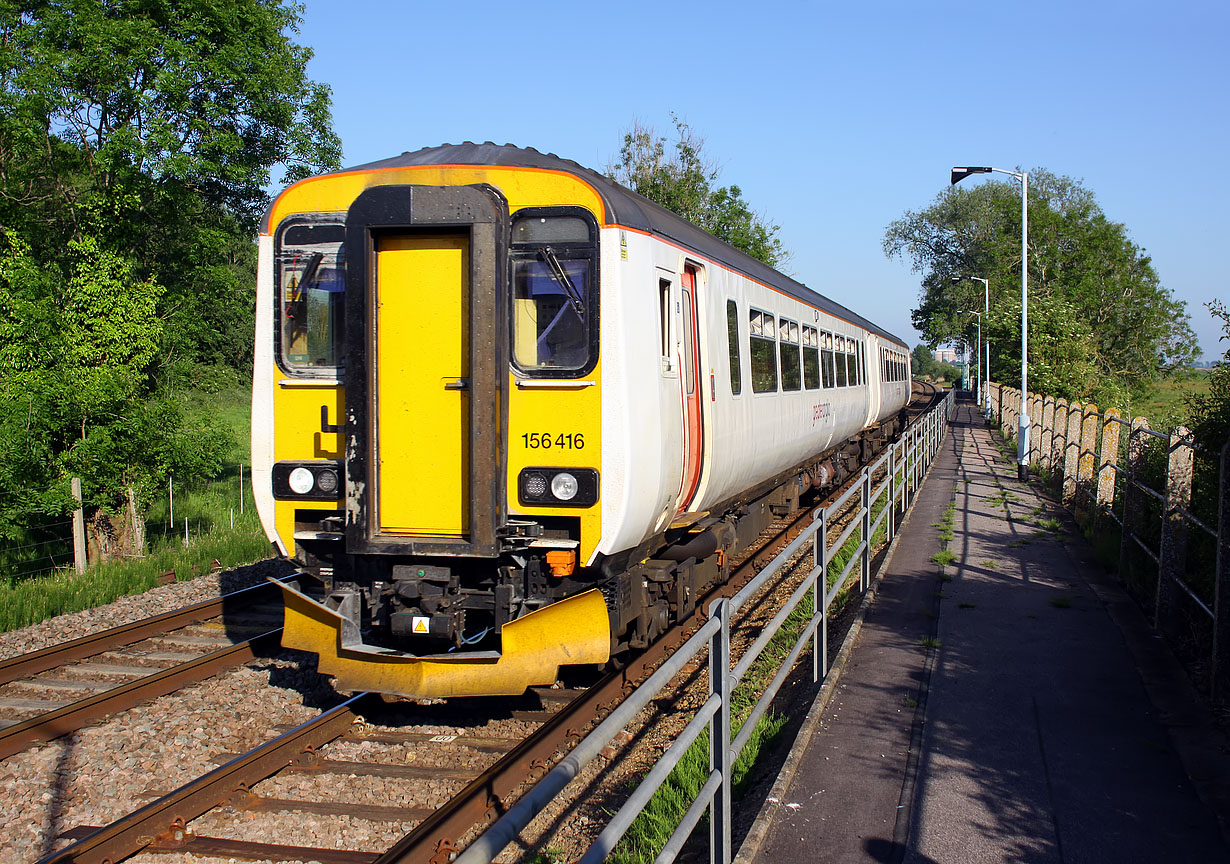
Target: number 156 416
547,441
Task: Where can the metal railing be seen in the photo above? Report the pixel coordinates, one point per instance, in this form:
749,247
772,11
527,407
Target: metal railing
1101,478
902,469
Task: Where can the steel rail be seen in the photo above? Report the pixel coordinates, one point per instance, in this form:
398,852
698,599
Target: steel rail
25,665
162,823
70,718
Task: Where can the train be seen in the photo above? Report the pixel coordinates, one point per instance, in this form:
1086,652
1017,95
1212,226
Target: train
510,416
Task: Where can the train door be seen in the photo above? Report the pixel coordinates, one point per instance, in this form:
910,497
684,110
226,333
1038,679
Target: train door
422,369
426,365
690,379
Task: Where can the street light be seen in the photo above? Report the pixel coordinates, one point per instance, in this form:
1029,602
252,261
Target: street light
1022,438
978,353
986,308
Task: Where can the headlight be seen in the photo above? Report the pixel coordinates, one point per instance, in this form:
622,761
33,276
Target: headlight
564,486
307,480
301,481
558,487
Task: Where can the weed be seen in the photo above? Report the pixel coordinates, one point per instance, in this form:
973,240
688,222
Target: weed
989,564
1062,602
967,605
929,642
1017,544
944,557
911,702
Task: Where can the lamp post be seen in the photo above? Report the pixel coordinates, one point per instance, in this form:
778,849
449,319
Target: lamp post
986,308
978,352
1022,438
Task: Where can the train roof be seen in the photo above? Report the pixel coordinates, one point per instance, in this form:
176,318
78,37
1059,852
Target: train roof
629,210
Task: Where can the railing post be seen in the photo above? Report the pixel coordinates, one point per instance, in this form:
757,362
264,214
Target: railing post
1071,456
891,521
1172,560
1221,584
1059,441
820,638
1088,456
1035,420
865,580
1108,466
1132,499
719,737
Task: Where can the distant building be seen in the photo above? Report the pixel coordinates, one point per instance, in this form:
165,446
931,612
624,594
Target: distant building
946,355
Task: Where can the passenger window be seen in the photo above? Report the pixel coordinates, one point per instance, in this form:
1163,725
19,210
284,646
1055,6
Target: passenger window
788,343
555,299
311,294
843,370
732,335
826,353
811,358
762,336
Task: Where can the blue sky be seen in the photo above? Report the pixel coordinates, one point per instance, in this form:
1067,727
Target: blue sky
834,118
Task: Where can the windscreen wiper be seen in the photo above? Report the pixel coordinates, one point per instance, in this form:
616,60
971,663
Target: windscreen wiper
557,271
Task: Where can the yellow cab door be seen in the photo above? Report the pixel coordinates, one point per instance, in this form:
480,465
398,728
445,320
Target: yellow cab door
422,383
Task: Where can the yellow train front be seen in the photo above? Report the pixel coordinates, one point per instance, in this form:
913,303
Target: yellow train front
439,476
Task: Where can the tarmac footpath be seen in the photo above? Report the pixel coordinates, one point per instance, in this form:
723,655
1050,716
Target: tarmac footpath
1010,706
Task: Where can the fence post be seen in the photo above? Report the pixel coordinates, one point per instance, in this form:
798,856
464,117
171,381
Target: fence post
79,553
1108,466
1172,559
719,737
1046,433
1221,584
1059,441
171,500
1072,444
1035,421
1132,499
1085,462
240,488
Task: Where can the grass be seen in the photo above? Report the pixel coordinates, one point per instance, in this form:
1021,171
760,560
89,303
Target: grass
944,557
1061,602
28,601
209,509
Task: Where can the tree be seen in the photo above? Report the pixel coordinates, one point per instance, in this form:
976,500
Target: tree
922,361
683,182
1209,412
137,138
1101,324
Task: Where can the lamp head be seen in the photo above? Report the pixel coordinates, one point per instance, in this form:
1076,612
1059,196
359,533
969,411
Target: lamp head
959,174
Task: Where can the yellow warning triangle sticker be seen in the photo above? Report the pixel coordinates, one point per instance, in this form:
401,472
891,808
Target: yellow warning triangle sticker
419,625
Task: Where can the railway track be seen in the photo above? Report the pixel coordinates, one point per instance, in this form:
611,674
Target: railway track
55,691
365,743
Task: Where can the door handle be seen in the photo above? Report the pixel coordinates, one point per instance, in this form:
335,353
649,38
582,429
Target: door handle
459,384
325,425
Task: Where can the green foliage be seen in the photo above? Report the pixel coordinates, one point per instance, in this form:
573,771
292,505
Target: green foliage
137,138
1209,411
1101,325
683,182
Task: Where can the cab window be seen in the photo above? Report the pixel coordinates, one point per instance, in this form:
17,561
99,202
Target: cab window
311,276
554,293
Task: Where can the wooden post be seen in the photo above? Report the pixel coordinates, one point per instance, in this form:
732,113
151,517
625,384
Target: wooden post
1221,585
1172,560
79,553
1088,456
1071,455
1108,465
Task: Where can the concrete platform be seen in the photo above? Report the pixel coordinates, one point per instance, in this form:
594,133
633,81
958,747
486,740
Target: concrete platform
1012,706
